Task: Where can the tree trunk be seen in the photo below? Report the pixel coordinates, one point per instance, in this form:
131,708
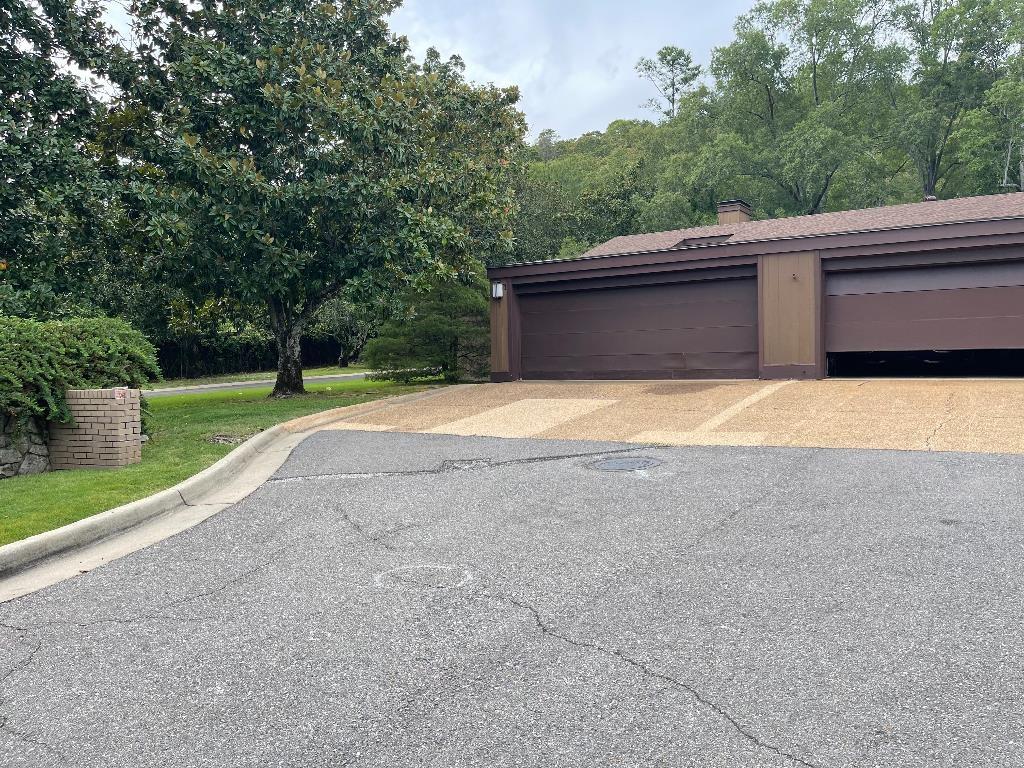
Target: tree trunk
357,348
930,178
343,358
288,335
451,371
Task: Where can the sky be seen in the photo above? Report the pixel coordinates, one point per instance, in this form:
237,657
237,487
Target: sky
573,60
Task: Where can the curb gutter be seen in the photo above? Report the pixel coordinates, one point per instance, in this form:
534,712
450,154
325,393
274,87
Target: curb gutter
18,554
212,490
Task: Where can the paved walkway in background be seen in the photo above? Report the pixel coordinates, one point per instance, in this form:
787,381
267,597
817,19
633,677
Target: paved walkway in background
425,600
240,385
932,415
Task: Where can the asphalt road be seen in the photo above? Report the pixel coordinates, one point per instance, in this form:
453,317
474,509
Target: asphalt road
425,600
240,385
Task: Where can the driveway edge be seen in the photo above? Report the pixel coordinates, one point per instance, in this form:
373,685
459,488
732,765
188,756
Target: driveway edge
204,489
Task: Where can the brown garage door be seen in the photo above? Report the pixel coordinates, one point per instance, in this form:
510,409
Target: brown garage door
705,329
963,306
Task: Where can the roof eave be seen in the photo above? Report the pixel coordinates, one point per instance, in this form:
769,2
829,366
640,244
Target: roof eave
525,268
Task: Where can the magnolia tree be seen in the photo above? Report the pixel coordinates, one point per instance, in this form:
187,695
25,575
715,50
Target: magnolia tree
281,149
52,193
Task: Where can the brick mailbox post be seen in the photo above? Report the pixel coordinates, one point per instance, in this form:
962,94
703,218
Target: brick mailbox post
106,430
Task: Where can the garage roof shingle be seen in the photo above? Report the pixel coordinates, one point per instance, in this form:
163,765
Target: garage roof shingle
963,209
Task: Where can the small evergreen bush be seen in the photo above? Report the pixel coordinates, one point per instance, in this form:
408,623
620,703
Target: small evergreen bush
444,331
40,360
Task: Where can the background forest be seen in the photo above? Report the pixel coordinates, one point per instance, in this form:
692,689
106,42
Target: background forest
816,105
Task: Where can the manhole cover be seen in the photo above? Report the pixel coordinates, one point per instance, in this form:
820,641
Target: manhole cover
624,464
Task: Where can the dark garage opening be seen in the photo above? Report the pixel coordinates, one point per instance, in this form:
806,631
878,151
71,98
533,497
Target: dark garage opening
928,362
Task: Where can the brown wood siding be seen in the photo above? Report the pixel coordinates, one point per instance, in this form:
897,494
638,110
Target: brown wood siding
973,306
499,335
790,300
704,329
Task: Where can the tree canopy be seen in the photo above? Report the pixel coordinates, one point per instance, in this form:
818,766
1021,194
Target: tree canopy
815,105
672,72
54,197
282,149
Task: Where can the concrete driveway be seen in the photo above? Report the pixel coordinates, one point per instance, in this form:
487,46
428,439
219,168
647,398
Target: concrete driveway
393,599
935,415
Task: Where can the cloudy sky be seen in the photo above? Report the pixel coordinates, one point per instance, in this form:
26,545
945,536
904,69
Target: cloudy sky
573,60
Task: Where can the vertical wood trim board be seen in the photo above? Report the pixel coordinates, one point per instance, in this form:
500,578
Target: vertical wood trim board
499,335
789,293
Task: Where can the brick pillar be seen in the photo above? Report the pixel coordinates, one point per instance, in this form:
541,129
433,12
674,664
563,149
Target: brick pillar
106,430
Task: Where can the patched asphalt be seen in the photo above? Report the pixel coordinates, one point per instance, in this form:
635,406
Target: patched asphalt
427,600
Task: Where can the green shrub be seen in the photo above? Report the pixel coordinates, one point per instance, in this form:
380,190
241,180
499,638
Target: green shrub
443,332
40,360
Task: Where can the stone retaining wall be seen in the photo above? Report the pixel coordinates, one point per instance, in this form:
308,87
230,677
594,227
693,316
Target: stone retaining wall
22,452
106,431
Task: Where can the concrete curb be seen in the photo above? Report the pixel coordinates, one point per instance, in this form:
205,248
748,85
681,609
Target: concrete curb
18,554
190,493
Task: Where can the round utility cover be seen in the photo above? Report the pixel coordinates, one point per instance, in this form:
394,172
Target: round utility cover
624,464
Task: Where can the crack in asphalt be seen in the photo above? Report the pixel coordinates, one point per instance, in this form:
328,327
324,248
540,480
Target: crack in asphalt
25,662
647,671
461,465
28,738
726,520
268,559
5,720
717,527
372,538
379,539
96,622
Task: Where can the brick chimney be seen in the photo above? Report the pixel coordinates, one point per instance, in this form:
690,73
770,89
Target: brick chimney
734,212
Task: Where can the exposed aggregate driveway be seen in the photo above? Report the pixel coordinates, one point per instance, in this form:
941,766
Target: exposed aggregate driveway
400,599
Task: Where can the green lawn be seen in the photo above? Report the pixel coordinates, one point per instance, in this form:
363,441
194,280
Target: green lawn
179,446
327,370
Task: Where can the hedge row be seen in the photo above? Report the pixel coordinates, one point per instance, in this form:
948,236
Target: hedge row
39,361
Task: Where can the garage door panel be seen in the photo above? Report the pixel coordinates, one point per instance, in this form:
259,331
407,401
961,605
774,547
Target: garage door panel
641,342
980,275
695,315
680,330
611,362
613,302
913,305
944,333
629,299
669,365
948,318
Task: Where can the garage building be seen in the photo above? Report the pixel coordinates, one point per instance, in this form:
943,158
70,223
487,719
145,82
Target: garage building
781,298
